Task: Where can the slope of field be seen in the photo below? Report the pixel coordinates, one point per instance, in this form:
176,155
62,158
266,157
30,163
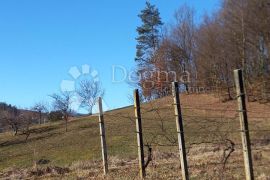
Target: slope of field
212,140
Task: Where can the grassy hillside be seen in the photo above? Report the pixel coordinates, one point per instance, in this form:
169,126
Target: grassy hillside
210,127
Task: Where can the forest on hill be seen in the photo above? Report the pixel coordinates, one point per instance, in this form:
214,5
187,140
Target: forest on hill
204,55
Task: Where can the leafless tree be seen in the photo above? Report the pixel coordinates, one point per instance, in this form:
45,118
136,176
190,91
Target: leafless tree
12,119
26,119
173,60
41,108
89,92
236,36
62,102
183,36
15,119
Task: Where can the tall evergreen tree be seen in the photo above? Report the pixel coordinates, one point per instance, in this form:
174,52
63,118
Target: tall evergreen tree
148,34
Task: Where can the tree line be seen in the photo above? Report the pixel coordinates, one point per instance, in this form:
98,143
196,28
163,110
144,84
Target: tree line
204,54
61,108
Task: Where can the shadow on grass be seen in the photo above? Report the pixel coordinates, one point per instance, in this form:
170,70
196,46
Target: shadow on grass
33,132
43,129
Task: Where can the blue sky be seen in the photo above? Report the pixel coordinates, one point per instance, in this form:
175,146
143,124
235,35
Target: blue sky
40,40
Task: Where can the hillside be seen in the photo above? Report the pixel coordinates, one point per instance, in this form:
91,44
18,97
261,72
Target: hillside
210,127
4,126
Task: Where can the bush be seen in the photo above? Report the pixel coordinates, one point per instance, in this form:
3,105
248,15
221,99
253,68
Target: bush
55,116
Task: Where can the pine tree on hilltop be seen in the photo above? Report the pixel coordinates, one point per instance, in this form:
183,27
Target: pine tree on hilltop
148,34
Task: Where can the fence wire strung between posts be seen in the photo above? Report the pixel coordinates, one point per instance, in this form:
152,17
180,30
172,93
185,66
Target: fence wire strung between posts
212,134
211,131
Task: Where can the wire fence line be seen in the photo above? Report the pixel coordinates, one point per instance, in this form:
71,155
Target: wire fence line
217,129
196,119
211,128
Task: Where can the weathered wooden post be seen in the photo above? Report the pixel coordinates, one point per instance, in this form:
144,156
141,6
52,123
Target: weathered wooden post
139,133
180,131
103,137
241,99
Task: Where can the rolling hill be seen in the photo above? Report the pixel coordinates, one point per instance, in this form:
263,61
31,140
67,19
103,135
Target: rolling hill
211,131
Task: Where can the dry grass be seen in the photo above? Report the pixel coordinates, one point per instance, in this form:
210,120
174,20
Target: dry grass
163,166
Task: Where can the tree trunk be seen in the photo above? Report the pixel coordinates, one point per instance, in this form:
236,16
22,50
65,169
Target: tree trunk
66,120
66,125
15,131
40,117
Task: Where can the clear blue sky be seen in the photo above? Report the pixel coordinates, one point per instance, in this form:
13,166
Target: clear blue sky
40,40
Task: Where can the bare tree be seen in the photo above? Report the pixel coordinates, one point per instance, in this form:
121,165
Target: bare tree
15,119
8,117
63,102
89,92
26,119
12,119
173,59
236,36
183,37
41,108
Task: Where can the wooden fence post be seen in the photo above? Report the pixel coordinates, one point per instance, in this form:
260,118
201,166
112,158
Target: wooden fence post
180,131
139,133
241,99
103,137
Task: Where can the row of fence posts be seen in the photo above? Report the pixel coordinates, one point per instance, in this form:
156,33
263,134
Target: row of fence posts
241,99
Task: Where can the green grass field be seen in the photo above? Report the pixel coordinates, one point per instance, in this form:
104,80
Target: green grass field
207,126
